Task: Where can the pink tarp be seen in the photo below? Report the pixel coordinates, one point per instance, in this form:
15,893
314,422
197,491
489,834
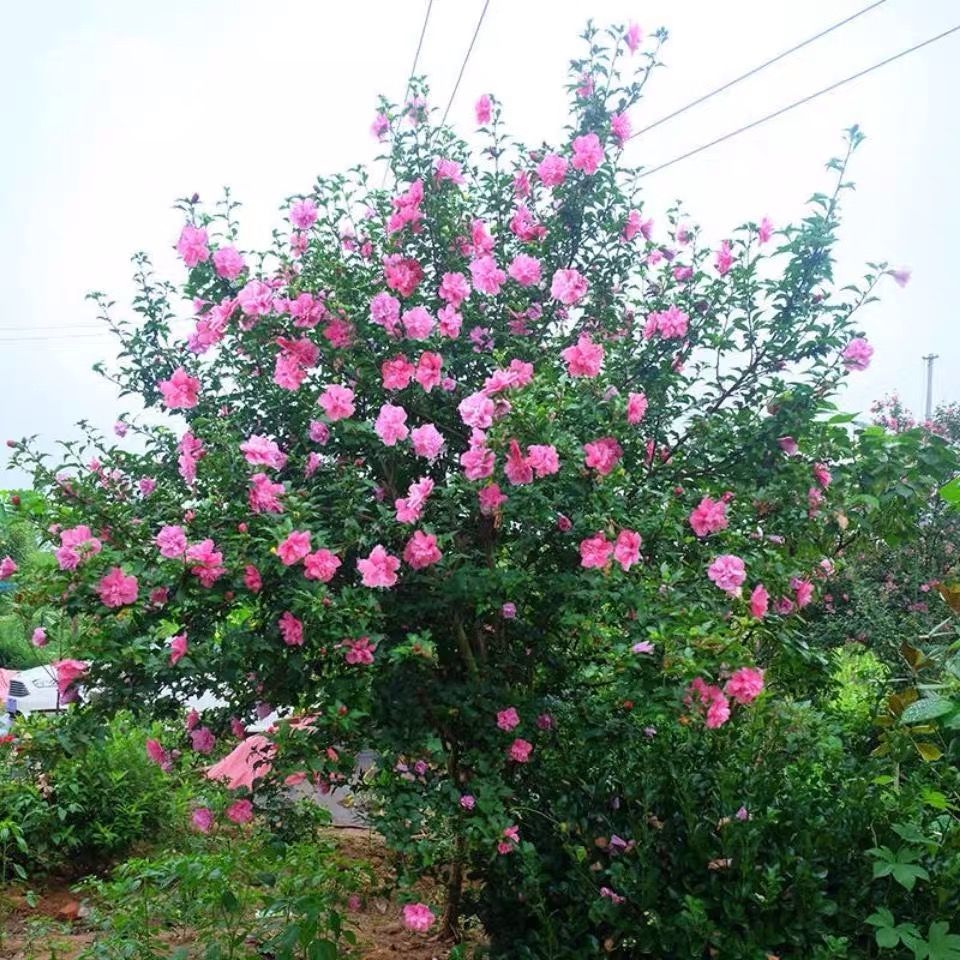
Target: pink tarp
248,761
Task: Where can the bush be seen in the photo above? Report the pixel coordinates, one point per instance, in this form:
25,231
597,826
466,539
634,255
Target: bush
241,896
85,796
458,468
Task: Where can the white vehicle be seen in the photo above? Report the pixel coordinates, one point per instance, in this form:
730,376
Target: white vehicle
34,691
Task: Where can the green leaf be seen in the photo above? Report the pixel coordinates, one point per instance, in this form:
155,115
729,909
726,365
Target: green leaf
951,492
941,943
926,709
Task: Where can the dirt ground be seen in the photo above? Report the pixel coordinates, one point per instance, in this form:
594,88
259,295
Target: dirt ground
56,927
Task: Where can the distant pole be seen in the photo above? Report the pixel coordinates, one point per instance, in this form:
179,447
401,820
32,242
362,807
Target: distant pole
930,357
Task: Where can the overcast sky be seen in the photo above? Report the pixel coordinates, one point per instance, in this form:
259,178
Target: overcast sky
113,108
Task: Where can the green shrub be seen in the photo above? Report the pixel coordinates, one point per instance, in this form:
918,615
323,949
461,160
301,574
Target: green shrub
84,797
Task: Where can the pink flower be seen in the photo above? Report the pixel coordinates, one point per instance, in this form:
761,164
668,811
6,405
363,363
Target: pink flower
603,455
620,128
39,637
487,276
552,170
444,169
117,589
427,441
321,565
636,408
595,551
783,606
765,230
337,402
418,917
402,274
252,579
397,372
178,648
192,245
409,508
417,323
643,647
709,516
228,262
428,373
508,611
240,811
901,277
724,258
207,562
291,629
202,740
568,286
264,495
636,224
202,819
391,424
718,713
259,450
508,719
821,473
742,814
789,446
421,550
171,542
744,685
543,459
587,153
803,591
294,548
672,323
491,499
180,391
467,801
385,311
303,214
380,126
584,359
454,288
511,839
8,568
450,322
255,299
520,750
156,754
478,462
379,569
626,550
759,601
482,110
525,270
633,37
359,652
728,572
477,411
518,471
612,896
146,486
857,354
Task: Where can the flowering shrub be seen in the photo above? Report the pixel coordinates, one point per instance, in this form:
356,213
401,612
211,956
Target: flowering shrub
452,454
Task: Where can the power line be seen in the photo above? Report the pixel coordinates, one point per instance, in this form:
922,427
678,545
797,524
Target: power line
756,70
798,103
463,66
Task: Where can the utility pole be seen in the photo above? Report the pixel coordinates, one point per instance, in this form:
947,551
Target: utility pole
930,357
